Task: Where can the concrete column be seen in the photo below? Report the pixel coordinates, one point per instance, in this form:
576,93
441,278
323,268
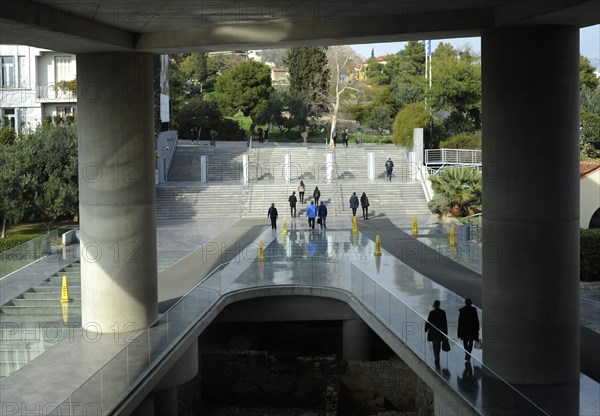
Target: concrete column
165,402
371,166
116,191
203,168
287,167
356,340
245,168
146,408
531,203
329,163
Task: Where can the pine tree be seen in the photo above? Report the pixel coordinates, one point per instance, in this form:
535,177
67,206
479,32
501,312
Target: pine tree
309,72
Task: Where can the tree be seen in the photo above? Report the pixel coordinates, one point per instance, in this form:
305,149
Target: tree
380,119
590,99
285,109
589,134
196,113
456,87
341,59
245,87
586,74
309,74
7,133
275,56
412,116
34,185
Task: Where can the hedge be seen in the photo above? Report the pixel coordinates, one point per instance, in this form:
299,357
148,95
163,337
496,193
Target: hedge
14,240
590,255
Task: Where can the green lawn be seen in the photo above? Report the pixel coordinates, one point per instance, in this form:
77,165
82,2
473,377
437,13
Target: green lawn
20,233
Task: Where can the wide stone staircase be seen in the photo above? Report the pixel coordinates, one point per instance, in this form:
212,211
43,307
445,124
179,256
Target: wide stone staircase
400,197
225,195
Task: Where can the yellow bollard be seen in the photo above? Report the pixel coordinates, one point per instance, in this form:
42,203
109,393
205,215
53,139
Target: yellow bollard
377,246
64,296
415,230
261,252
284,232
65,312
452,241
354,226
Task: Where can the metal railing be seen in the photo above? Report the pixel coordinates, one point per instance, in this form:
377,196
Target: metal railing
26,253
452,157
118,378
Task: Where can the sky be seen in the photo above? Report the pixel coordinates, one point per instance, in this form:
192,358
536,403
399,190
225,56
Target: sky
589,44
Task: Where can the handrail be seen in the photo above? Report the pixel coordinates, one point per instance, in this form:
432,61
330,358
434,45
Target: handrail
453,157
424,185
17,257
158,340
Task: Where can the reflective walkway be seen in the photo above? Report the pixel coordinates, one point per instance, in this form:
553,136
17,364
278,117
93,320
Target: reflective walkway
321,263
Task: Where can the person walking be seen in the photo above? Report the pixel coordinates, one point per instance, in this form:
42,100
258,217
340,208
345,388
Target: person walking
468,326
345,137
322,212
260,135
437,329
354,203
316,195
389,167
311,214
301,189
272,214
364,203
292,199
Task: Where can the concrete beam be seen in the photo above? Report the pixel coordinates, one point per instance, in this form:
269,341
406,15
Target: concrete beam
320,31
26,22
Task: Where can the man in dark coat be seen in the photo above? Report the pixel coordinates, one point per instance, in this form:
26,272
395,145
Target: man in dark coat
468,326
293,201
436,328
272,214
322,212
389,167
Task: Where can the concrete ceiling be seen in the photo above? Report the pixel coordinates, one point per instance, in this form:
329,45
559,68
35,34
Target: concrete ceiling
163,26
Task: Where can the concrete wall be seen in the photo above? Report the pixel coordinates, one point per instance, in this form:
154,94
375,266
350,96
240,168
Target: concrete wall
590,197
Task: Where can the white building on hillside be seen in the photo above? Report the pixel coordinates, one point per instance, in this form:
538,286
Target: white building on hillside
28,85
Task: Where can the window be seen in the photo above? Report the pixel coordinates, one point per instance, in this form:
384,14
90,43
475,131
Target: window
63,68
23,78
65,111
8,71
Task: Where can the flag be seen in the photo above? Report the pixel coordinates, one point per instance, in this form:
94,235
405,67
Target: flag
428,48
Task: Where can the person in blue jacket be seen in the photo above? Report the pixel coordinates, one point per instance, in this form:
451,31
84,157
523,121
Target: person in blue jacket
322,212
311,213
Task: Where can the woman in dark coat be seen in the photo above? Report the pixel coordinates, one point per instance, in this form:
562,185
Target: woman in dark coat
468,326
436,328
364,203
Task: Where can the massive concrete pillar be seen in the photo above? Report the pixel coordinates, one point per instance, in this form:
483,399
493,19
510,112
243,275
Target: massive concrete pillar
116,191
531,203
356,340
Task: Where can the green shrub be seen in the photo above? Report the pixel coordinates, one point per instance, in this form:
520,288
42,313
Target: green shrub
590,255
412,116
463,141
439,204
13,241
